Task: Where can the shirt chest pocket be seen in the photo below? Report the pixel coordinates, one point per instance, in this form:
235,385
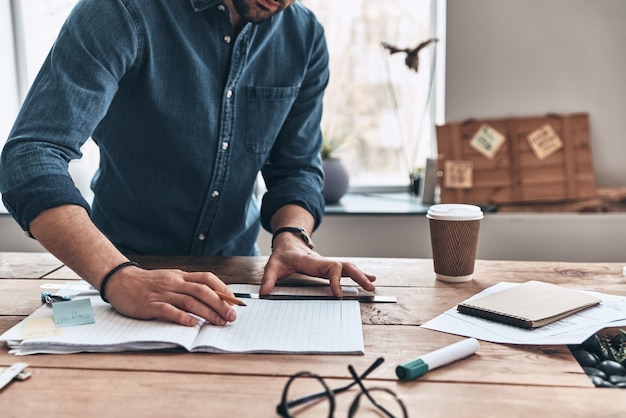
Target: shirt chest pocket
265,112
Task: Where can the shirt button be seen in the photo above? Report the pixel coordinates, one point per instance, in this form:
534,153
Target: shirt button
227,39
224,146
229,93
221,8
201,237
215,193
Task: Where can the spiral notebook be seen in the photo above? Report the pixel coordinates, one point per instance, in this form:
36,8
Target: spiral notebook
529,305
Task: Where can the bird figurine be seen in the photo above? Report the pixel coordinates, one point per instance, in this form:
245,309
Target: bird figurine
412,59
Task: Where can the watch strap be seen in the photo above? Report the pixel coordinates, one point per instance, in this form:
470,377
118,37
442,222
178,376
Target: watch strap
301,232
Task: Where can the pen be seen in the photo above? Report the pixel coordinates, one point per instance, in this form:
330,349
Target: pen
446,355
228,298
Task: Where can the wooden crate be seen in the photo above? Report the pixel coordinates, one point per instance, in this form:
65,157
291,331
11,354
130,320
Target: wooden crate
516,172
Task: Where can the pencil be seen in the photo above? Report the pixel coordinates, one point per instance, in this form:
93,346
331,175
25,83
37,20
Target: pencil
228,298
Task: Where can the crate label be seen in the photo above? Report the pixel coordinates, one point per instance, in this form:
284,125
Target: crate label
487,141
544,141
458,174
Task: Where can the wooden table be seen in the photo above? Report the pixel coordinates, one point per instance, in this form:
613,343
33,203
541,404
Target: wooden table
500,380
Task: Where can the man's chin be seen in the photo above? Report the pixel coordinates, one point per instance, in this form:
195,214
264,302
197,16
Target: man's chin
259,10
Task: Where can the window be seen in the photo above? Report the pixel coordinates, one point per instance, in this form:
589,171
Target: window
31,27
379,108
9,101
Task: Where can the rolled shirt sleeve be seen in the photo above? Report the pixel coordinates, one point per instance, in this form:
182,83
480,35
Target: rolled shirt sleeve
67,100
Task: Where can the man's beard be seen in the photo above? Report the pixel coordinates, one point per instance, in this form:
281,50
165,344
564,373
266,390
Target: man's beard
253,11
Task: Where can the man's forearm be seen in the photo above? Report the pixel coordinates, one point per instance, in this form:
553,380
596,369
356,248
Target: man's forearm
172,295
69,234
292,215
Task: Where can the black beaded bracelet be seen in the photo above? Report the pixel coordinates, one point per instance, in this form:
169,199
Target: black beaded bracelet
110,274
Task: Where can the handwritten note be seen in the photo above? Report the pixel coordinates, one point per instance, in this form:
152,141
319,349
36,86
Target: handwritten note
487,141
72,312
544,141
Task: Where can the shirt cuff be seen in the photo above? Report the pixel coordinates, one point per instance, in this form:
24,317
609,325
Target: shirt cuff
311,200
26,201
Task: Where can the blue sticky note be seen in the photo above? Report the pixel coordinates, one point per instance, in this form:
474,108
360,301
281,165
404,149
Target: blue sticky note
72,312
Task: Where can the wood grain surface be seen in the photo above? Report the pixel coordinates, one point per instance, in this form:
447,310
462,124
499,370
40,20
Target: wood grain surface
500,380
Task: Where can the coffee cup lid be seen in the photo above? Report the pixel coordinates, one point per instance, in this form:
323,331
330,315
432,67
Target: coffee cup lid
454,212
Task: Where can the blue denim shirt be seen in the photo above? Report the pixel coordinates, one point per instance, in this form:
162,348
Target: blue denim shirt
185,113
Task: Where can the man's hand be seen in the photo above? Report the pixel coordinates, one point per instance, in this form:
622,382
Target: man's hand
170,295
290,255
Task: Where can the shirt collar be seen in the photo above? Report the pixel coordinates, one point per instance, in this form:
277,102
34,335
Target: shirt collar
199,5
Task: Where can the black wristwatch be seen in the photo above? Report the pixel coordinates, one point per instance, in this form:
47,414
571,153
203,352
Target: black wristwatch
296,230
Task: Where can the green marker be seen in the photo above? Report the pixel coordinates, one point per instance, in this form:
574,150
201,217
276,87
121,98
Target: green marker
446,355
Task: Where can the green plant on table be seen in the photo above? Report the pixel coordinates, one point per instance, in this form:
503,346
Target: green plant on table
615,348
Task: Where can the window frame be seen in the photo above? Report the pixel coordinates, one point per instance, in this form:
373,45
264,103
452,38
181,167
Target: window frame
438,10
10,69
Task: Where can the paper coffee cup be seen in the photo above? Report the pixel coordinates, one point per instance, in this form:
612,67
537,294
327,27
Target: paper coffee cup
454,232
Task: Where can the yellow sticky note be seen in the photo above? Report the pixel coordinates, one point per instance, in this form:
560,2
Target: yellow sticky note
458,174
544,141
38,328
487,141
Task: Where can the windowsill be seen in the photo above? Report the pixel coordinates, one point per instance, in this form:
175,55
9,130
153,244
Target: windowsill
378,204
395,202
364,204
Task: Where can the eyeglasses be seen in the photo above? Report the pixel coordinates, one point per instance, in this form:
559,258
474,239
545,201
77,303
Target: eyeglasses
383,399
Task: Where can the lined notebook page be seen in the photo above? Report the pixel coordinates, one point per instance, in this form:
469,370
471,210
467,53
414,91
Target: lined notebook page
294,326
329,326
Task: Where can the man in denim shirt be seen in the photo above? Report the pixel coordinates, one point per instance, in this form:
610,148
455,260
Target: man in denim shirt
188,100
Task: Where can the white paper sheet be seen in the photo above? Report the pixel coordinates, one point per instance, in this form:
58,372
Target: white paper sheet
571,330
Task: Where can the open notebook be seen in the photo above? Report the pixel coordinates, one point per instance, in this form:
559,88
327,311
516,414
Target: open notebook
263,326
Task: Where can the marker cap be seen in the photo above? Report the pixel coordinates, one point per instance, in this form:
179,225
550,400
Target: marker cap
411,369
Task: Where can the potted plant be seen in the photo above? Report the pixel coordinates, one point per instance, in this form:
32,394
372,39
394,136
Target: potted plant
336,178
416,180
